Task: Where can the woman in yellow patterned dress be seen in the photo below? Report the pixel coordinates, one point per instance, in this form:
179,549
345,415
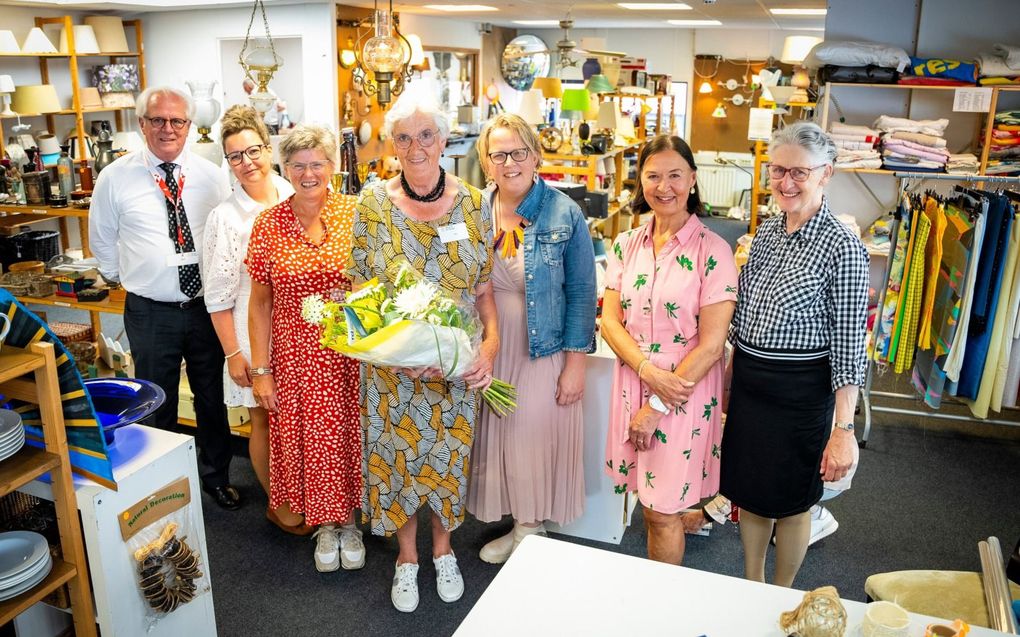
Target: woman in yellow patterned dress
418,426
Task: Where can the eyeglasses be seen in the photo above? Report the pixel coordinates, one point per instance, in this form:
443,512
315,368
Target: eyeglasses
425,139
518,154
315,166
159,122
797,174
252,153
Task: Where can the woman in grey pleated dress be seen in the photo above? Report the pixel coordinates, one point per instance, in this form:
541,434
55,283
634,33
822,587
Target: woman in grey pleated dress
529,464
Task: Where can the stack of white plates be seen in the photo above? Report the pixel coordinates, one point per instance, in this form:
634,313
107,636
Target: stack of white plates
12,433
24,562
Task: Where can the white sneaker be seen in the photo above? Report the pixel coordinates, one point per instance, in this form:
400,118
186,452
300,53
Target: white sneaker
327,549
404,593
822,524
498,550
352,549
449,582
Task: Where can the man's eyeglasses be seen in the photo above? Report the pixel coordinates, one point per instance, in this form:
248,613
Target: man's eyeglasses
159,122
252,153
314,166
425,139
798,174
518,154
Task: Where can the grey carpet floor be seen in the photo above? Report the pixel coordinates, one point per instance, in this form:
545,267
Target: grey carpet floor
922,498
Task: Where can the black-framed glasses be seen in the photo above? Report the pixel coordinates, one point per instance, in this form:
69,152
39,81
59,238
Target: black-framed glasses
517,154
252,153
425,139
176,123
797,173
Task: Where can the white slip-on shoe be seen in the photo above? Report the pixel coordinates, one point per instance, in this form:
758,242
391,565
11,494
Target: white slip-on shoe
404,593
498,550
823,524
327,549
449,582
352,549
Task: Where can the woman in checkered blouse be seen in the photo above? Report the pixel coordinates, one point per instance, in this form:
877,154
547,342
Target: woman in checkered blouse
799,335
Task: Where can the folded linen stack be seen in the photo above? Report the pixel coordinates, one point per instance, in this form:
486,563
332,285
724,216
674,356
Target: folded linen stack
1004,150
913,145
963,164
855,146
1002,66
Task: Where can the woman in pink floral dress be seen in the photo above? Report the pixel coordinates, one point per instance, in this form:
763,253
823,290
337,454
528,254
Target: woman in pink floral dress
671,288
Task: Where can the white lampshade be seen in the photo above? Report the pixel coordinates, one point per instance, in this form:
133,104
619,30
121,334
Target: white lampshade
84,40
7,42
48,144
609,115
796,48
37,42
127,140
417,53
531,107
6,84
36,98
781,94
109,32
624,130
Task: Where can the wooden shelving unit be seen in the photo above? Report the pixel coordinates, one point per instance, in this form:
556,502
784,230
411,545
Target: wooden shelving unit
586,167
758,190
65,22
29,463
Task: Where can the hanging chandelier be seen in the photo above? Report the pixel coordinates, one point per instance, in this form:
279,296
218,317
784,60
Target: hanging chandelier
260,62
387,55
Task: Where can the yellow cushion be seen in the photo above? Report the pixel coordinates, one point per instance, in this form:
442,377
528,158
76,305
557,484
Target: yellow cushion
948,594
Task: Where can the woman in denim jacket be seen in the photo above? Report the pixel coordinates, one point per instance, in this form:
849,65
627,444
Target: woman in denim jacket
529,464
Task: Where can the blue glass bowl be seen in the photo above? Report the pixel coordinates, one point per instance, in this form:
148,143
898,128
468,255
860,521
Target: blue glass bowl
122,401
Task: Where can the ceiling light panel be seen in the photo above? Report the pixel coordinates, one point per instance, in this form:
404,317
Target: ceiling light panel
460,8
793,11
695,23
654,6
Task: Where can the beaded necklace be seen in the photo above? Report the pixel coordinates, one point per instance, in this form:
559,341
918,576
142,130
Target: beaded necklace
436,193
507,242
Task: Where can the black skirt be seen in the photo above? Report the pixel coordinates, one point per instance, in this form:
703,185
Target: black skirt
777,426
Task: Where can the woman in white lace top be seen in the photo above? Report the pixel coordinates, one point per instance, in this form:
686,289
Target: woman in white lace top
227,285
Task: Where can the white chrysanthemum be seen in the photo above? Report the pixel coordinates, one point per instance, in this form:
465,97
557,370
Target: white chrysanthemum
414,302
313,309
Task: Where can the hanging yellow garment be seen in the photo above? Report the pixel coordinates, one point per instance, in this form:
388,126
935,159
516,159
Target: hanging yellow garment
912,298
901,303
936,214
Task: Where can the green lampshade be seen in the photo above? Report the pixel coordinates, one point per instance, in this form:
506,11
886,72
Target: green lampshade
600,84
575,99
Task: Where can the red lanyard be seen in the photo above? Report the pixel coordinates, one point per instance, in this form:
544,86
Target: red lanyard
175,201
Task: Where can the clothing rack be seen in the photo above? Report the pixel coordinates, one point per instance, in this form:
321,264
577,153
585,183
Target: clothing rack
867,392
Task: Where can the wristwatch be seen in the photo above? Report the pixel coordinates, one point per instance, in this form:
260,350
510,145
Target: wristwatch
845,426
656,403
261,371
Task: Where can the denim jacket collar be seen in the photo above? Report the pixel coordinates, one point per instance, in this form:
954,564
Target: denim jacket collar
531,206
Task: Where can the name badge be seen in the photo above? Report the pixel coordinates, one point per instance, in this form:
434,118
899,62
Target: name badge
453,232
184,258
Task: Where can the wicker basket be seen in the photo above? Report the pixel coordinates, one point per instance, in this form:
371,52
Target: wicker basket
41,286
71,332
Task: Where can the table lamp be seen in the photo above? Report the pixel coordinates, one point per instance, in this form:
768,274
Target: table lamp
600,84
552,89
609,115
37,42
84,40
795,49
36,98
109,32
7,42
575,99
531,108
625,133
6,88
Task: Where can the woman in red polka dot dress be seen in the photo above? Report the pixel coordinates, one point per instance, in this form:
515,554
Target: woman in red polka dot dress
299,248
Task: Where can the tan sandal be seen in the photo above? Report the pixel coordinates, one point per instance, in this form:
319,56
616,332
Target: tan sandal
297,529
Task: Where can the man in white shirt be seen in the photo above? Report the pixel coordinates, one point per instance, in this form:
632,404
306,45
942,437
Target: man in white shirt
146,225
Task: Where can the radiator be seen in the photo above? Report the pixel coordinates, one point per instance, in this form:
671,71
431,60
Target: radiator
720,186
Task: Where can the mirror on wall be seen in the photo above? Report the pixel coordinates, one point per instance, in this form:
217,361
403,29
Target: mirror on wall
524,58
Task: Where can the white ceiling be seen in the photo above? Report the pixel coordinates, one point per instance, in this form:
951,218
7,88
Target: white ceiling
738,14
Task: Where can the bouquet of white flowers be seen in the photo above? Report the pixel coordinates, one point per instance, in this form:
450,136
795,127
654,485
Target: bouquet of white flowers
414,324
